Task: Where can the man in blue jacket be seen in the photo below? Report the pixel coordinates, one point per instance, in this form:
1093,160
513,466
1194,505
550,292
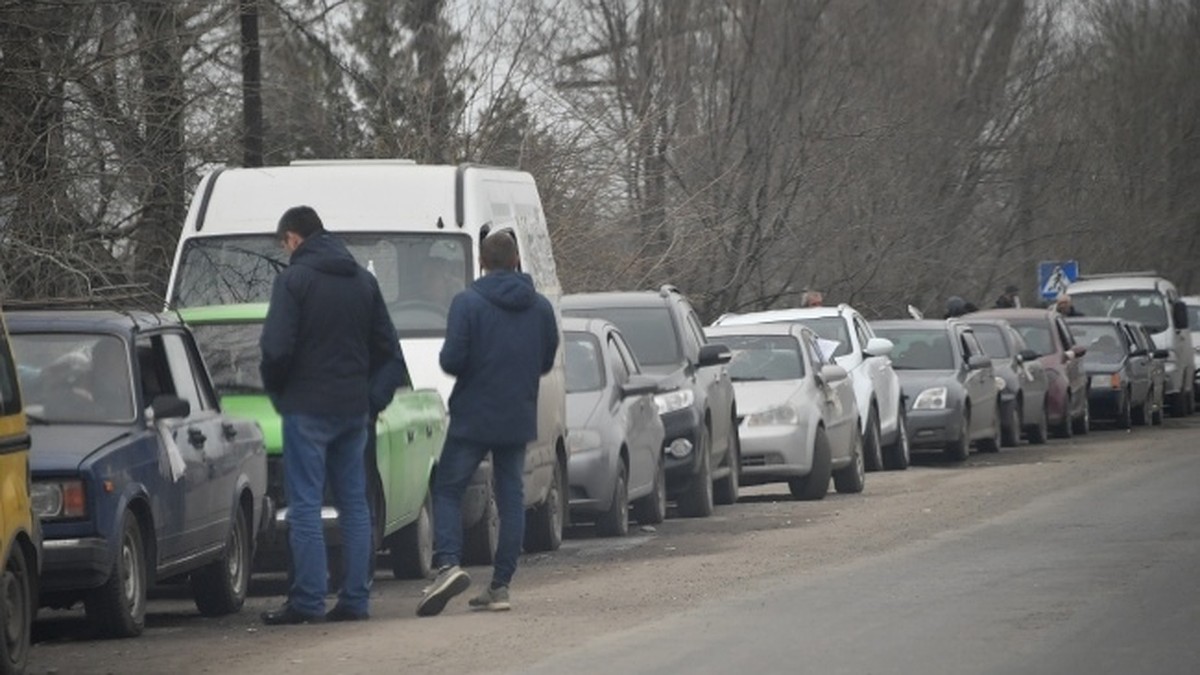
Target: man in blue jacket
326,340
501,337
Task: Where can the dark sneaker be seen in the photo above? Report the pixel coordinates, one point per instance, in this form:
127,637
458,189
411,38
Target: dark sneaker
339,613
492,599
449,582
286,616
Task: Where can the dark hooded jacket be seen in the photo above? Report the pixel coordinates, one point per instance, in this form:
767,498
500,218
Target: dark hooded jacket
501,336
327,332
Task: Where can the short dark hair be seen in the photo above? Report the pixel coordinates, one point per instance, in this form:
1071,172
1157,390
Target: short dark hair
498,251
303,220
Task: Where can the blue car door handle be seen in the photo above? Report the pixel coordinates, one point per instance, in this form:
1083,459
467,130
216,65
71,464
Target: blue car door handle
196,438
228,430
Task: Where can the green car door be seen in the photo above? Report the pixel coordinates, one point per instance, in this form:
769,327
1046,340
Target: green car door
409,436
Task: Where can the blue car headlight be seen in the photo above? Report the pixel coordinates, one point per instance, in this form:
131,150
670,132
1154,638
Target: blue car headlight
933,398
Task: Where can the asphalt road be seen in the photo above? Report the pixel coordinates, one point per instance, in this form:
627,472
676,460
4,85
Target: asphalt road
1075,557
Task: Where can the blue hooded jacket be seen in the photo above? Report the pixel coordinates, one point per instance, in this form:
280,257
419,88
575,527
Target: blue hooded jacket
501,337
327,334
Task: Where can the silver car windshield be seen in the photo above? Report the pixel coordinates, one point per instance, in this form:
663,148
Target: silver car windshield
919,348
648,330
763,357
74,378
1145,307
1103,342
418,274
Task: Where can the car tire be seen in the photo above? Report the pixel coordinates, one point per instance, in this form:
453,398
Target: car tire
544,531
219,588
852,478
725,492
1066,428
960,450
898,455
815,485
1125,416
1040,432
1156,415
1083,424
1010,433
872,450
992,443
652,509
697,500
615,521
117,609
480,540
16,615
411,548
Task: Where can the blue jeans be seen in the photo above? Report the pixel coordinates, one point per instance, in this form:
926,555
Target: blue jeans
317,447
459,460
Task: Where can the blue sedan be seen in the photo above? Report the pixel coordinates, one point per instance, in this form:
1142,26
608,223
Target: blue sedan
138,476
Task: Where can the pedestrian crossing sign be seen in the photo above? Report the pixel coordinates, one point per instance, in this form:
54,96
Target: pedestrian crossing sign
1054,276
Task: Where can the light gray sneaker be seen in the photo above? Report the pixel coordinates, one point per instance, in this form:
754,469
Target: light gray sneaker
449,582
492,599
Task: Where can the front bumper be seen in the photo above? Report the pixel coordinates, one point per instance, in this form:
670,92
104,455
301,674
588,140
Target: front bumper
74,564
934,428
593,473
773,453
681,425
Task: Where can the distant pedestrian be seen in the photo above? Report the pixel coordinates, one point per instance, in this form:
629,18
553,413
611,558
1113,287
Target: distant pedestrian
812,299
955,306
1009,298
1063,305
501,337
326,336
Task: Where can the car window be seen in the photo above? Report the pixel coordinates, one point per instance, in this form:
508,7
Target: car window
991,339
763,357
620,369
1193,312
861,331
233,355
831,328
631,362
919,348
696,330
973,346
75,378
1036,334
584,364
10,398
650,332
179,363
1018,342
1064,334
1145,307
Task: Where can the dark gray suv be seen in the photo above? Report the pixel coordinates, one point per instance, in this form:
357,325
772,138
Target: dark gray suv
701,447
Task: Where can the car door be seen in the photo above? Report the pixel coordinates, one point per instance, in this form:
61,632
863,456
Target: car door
638,415
840,411
1076,378
973,380
879,369
718,386
1032,375
1140,362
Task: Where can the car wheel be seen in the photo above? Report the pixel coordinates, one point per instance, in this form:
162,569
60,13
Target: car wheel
815,485
545,529
1066,428
652,509
1125,417
872,450
1039,432
412,547
219,588
697,501
993,442
16,616
480,540
898,455
118,608
960,450
615,521
726,489
1010,433
1083,424
851,478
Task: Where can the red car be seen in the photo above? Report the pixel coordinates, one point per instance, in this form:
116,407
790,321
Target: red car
1045,332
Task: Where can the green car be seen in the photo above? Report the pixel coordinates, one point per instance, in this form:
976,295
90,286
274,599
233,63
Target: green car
409,435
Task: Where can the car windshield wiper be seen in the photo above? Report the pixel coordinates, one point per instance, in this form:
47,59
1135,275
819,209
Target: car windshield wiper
756,378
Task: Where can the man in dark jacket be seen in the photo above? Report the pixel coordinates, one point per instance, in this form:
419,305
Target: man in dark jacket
327,333
501,337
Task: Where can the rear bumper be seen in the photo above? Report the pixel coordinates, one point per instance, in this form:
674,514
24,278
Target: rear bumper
774,453
592,474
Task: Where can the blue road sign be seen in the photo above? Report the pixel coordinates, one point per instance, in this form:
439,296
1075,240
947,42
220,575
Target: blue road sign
1055,275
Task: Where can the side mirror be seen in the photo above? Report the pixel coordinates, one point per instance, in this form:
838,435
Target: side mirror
1161,354
831,373
1179,315
714,355
1139,352
879,347
1028,356
978,361
167,406
1079,350
639,385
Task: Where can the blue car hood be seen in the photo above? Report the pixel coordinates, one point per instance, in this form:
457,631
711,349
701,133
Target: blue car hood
63,447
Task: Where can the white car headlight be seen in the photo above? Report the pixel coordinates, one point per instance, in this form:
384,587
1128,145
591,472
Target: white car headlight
1106,381
58,499
933,398
785,414
583,439
674,400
